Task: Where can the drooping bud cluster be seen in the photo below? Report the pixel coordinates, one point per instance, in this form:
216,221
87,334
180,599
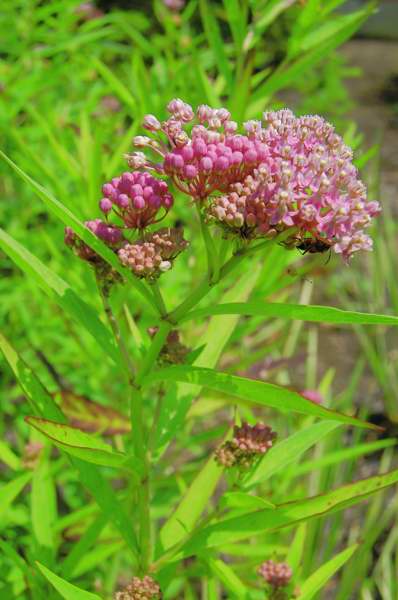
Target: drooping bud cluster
173,351
275,574
153,255
140,589
307,181
137,198
248,443
203,153
112,236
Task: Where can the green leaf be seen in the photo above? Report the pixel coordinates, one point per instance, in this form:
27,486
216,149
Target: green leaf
255,392
299,312
66,589
343,454
40,400
228,578
61,293
286,515
191,506
44,508
322,575
80,444
7,456
91,416
243,501
11,490
287,451
68,218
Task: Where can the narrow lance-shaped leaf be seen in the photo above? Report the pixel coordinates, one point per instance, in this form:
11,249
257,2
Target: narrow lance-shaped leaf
80,444
66,589
318,579
10,491
255,392
297,312
288,451
40,400
230,580
61,292
191,506
285,515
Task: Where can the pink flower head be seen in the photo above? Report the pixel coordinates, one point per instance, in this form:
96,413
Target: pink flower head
140,589
137,198
275,574
307,181
154,254
203,153
110,234
247,444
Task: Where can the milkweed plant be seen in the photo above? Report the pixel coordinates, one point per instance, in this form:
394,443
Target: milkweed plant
282,180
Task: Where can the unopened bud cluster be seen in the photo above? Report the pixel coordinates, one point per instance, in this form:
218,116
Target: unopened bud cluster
275,574
140,589
247,445
173,351
154,254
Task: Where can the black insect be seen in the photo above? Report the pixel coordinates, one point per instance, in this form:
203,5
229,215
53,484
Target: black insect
313,246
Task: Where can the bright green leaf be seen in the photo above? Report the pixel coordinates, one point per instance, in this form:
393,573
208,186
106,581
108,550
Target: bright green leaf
66,589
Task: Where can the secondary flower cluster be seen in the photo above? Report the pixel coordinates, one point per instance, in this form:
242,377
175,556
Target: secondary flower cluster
154,253
275,574
247,444
280,173
140,589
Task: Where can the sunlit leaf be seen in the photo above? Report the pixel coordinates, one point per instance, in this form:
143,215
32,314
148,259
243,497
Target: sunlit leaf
80,444
66,589
254,392
91,416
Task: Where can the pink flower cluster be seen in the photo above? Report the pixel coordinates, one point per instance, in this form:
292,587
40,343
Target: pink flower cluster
136,198
247,444
111,235
153,255
307,182
207,158
140,589
275,574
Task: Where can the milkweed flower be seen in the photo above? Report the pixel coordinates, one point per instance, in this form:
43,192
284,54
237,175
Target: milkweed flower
110,234
140,589
137,198
247,444
275,574
154,254
307,181
201,152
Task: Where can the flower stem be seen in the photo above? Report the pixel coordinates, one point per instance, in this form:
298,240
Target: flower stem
157,294
115,329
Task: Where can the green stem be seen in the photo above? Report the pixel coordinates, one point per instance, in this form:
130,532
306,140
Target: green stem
115,330
157,294
154,350
208,241
205,286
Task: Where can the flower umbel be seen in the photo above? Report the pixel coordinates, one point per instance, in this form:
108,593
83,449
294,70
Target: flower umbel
248,443
308,181
137,198
201,153
154,254
275,574
140,589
